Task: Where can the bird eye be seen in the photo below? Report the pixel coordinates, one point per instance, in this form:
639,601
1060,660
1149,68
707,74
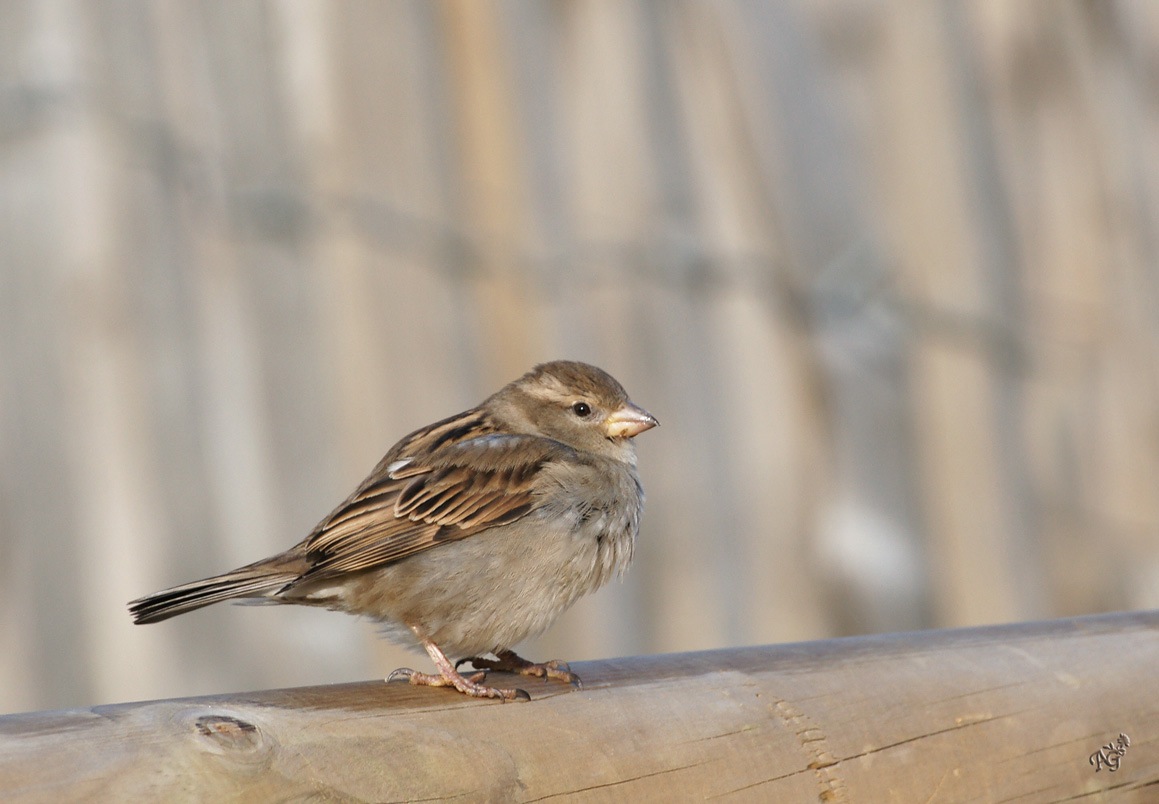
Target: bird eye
581,409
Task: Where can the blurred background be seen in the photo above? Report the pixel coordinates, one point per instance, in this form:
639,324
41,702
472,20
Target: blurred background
888,273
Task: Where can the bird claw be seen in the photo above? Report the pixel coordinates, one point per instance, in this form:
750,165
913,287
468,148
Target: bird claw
402,672
556,670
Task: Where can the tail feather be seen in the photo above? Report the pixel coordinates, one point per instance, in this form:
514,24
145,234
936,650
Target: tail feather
252,581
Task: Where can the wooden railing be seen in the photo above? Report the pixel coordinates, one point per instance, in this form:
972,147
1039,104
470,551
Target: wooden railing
1051,711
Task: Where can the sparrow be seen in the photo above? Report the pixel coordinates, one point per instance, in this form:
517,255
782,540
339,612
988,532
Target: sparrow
471,534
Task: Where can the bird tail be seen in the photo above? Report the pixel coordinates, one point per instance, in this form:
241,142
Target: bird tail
263,579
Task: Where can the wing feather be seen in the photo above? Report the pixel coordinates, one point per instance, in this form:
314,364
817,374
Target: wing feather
452,490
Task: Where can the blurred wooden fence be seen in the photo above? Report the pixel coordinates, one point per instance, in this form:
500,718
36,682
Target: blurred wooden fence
887,273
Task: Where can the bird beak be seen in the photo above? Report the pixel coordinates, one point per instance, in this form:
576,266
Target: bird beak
629,421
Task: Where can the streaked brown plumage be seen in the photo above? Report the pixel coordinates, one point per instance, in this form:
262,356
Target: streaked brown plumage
473,533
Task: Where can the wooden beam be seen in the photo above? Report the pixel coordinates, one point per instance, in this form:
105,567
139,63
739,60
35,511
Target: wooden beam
979,714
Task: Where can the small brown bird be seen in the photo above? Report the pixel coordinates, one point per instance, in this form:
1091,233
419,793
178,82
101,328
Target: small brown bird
471,534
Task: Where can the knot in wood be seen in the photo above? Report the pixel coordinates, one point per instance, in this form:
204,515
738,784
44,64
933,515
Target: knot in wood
230,733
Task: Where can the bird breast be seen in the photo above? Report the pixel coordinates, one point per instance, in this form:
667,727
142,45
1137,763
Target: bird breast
599,506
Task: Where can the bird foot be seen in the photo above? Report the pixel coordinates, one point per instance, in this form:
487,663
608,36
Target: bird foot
468,685
508,661
448,676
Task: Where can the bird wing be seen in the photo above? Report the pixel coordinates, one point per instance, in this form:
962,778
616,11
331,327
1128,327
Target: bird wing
410,504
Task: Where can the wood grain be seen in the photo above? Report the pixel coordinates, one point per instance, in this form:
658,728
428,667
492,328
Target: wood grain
983,714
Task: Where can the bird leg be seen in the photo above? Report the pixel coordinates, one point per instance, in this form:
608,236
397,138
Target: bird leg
448,676
508,661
